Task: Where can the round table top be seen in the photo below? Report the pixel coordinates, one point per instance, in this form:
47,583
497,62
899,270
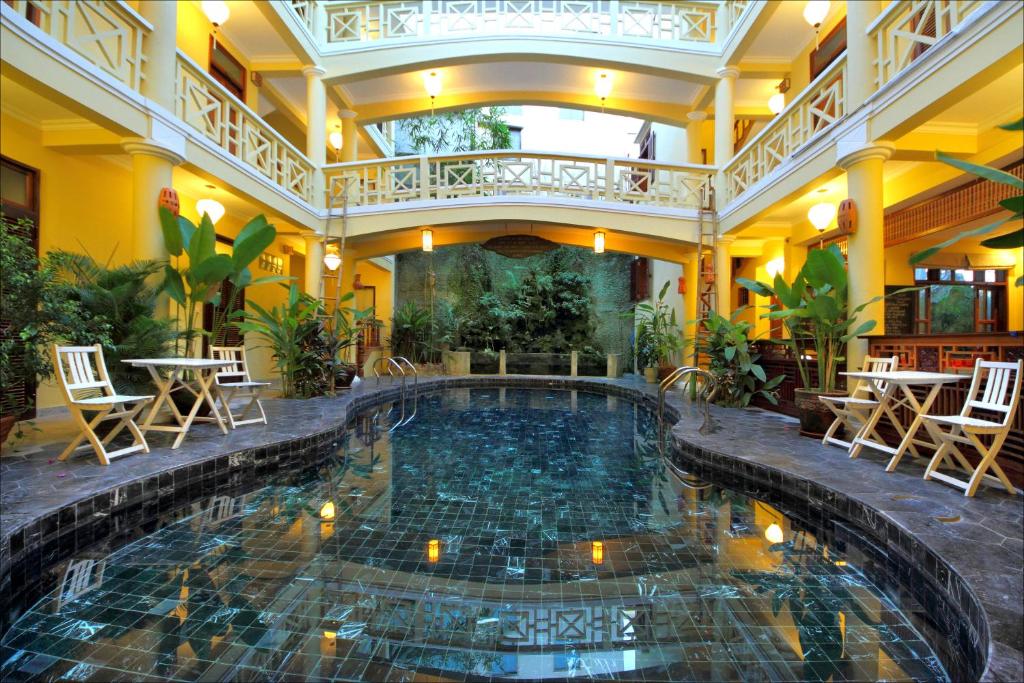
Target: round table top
908,376
179,362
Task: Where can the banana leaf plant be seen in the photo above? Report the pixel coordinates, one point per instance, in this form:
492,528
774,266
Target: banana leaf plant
1015,205
199,282
815,311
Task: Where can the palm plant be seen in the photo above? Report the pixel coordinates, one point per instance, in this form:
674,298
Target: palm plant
734,363
121,301
285,327
410,332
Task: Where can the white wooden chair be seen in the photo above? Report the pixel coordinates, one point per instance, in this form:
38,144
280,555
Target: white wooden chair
999,398
233,380
857,407
82,375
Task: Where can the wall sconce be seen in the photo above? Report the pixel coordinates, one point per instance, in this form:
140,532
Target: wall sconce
332,259
777,102
433,550
217,12
774,534
212,208
599,242
432,84
337,140
603,86
597,552
327,511
427,238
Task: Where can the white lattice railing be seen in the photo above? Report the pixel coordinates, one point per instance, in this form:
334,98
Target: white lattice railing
207,106
820,105
907,28
107,34
517,173
337,23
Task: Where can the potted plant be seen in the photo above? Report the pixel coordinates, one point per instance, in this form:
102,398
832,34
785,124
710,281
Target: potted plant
646,352
666,335
819,323
733,362
287,329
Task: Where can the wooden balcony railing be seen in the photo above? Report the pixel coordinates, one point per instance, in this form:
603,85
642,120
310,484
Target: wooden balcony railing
820,105
223,119
336,24
107,34
517,173
907,28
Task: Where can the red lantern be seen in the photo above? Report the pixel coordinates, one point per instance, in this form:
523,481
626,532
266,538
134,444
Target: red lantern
682,285
847,217
169,200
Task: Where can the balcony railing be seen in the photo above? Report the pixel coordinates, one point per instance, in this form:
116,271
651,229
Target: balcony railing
224,120
337,23
820,105
516,173
107,34
907,28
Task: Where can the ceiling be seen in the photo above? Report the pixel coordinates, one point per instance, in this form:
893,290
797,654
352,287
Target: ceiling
23,103
785,35
998,102
248,29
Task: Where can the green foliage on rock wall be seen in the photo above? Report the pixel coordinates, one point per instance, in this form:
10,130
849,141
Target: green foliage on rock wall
568,298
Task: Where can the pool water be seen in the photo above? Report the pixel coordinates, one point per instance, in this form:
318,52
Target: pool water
502,533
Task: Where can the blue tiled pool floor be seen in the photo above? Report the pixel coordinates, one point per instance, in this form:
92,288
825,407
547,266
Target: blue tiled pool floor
502,533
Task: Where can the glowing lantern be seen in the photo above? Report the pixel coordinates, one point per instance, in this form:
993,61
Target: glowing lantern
599,242
597,552
210,207
815,12
217,11
427,236
777,102
332,259
820,215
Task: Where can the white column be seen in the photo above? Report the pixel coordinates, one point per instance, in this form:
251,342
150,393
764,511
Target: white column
694,128
866,246
152,170
160,48
723,276
316,127
349,136
725,116
860,72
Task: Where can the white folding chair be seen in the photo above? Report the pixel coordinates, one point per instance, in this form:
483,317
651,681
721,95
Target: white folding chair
855,409
82,376
999,397
233,380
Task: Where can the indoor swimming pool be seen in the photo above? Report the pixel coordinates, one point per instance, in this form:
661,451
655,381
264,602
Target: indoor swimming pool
481,533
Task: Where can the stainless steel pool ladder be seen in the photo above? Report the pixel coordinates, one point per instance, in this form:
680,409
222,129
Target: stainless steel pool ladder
391,364
399,363
402,360
703,396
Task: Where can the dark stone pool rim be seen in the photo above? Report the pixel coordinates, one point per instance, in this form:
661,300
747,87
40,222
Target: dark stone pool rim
57,534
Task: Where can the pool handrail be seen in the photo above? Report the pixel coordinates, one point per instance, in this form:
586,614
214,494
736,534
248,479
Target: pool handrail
702,396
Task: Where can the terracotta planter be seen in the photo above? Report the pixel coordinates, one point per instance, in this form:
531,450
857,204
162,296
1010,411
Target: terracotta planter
6,424
651,375
815,417
665,370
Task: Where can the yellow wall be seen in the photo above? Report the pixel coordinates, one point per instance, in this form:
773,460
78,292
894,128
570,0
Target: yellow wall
194,31
383,279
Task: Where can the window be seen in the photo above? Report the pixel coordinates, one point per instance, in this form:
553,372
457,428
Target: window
959,301
227,70
515,134
32,11
570,114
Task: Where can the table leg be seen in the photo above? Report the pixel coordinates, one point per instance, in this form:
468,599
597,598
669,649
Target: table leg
868,427
163,395
919,409
205,379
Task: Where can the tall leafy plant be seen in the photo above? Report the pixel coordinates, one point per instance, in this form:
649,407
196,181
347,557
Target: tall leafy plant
458,131
660,319
199,281
816,314
285,328
1014,204
733,360
120,300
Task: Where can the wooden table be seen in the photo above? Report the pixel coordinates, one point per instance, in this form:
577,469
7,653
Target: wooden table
205,374
900,381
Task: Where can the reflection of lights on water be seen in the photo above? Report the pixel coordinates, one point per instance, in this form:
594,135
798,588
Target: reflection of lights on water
327,511
774,533
597,552
433,550
840,563
330,635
